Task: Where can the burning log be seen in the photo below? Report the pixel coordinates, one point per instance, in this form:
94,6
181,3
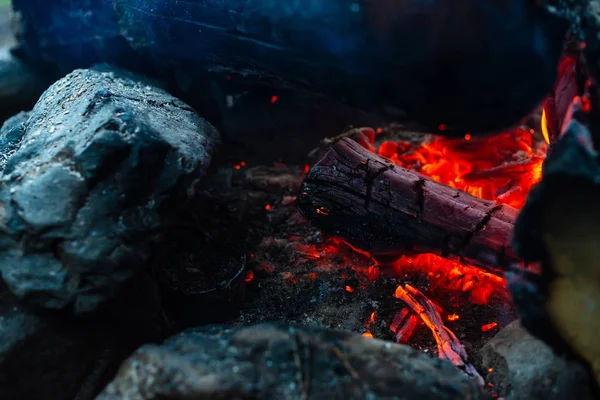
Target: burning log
559,227
389,211
449,347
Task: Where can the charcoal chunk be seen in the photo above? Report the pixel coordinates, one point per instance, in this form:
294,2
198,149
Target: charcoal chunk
100,167
276,361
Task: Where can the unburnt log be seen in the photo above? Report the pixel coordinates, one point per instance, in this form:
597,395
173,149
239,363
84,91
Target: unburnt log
387,210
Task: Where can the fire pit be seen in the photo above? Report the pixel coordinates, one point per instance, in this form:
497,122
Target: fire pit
167,233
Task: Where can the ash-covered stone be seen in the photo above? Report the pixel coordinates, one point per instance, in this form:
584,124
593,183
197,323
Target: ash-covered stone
100,167
522,367
276,361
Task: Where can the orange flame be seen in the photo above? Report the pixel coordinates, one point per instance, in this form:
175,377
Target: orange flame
544,124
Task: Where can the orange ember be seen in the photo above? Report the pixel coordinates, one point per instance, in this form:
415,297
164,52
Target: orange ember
488,327
448,275
452,317
372,319
503,167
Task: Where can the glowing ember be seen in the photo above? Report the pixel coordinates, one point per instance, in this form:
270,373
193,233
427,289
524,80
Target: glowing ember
368,335
370,322
249,276
446,275
449,347
403,325
372,319
502,167
322,211
488,327
452,317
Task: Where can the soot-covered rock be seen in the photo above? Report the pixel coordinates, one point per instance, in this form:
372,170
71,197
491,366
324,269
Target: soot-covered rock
101,165
275,361
48,355
523,367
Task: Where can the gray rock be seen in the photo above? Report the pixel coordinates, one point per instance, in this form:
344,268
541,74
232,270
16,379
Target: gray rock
11,133
276,361
523,367
100,167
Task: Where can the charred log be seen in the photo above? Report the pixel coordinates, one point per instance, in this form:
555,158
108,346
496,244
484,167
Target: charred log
389,211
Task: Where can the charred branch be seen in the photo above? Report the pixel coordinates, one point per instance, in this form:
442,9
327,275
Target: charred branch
403,325
449,347
389,211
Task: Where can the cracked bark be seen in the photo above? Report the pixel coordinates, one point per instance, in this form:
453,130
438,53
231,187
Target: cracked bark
390,211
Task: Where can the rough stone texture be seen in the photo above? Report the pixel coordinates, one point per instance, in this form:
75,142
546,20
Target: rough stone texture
274,361
101,165
523,367
50,356
11,134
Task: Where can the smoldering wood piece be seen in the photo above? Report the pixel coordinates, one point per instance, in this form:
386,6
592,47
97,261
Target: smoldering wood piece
449,347
404,324
387,210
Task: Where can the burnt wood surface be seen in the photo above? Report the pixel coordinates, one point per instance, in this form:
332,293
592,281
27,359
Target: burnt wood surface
389,211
